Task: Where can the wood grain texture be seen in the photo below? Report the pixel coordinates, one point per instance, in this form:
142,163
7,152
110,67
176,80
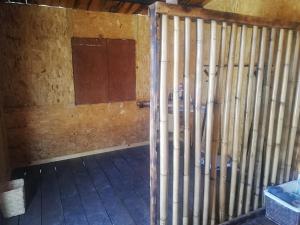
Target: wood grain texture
121,69
4,161
90,70
36,62
50,131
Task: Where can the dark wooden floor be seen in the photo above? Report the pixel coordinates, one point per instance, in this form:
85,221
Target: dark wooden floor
105,189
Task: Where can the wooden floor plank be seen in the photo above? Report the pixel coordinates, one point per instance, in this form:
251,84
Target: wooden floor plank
73,211
134,201
135,205
11,221
90,200
65,180
131,178
52,210
116,210
33,197
104,189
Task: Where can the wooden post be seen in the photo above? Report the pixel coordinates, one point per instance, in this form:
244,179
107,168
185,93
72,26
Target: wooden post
237,116
198,123
154,82
163,106
265,116
176,133
186,177
247,121
273,110
288,117
258,100
224,145
210,107
282,107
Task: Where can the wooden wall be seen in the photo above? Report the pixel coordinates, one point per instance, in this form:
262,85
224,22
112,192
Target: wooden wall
40,116
4,160
286,10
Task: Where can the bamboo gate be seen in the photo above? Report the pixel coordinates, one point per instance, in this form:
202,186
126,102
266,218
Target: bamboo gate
236,115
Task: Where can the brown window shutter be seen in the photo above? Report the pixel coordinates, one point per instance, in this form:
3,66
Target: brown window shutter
90,70
121,70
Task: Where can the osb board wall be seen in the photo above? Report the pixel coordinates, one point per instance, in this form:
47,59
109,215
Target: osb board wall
37,82
288,10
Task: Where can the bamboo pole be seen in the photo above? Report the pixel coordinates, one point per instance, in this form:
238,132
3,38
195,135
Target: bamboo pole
288,117
265,103
273,110
164,151
186,178
237,124
295,120
257,110
282,107
198,123
296,157
176,132
154,91
247,120
216,138
209,124
224,145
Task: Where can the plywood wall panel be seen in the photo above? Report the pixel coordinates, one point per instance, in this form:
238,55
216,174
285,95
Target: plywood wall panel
286,10
41,118
106,25
35,56
73,129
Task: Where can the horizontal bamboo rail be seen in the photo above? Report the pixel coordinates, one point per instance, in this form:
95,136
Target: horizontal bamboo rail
207,14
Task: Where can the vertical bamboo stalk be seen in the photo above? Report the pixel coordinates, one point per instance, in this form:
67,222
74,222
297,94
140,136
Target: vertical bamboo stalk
257,110
209,124
164,151
237,124
187,33
296,157
282,107
217,122
273,110
224,145
265,103
176,133
288,117
153,116
247,120
295,120
198,124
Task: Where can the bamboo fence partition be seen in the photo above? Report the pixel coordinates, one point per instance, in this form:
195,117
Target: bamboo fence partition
241,133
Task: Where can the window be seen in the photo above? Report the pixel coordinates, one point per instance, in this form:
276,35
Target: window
104,70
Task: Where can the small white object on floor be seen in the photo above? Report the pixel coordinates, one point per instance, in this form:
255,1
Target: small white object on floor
12,198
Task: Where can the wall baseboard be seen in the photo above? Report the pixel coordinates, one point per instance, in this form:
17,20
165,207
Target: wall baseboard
94,152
